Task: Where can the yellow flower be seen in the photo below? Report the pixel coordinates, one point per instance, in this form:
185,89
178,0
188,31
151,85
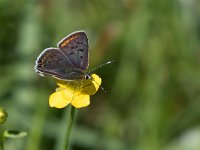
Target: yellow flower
75,92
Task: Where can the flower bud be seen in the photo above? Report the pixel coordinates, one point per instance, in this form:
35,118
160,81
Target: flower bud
3,115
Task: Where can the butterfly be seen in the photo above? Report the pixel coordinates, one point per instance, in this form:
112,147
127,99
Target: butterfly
69,61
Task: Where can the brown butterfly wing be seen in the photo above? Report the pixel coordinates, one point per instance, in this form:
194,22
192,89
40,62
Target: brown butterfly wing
75,47
53,62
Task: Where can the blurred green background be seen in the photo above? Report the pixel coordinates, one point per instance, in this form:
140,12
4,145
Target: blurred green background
153,98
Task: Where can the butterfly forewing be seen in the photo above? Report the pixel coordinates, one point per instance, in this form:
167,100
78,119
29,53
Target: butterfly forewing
53,62
75,47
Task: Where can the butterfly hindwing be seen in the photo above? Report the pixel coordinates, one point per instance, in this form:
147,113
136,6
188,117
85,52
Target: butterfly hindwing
53,62
75,47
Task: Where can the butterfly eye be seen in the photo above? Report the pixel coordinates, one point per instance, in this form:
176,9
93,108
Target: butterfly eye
87,76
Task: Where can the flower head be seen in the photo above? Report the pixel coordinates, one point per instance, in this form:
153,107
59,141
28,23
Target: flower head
75,92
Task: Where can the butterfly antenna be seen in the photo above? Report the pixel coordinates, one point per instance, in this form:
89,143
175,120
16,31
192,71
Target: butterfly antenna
103,89
93,69
106,63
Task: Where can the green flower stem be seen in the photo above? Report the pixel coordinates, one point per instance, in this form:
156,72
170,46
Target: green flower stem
69,128
1,145
1,139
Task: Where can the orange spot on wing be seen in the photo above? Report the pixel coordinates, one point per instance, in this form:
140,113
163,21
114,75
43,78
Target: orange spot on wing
68,40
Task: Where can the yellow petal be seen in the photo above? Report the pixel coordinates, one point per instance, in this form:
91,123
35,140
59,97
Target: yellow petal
59,89
75,92
96,80
58,99
61,83
91,85
67,84
69,93
81,100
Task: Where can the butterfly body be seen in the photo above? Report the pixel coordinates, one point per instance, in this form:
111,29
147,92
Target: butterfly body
69,61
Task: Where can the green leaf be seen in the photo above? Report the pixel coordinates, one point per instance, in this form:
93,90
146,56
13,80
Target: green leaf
14,134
